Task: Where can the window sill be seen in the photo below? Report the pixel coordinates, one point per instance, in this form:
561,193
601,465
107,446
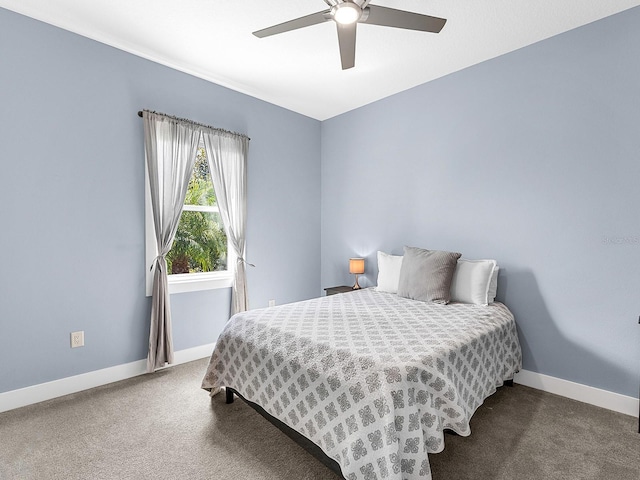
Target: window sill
191,282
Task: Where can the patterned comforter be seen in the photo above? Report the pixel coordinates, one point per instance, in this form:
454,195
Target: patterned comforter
372,378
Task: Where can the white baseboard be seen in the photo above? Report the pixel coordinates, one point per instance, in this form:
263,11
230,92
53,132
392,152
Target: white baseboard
65,386
577,391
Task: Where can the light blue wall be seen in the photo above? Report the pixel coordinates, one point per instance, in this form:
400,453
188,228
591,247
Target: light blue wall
533,159
530,158
72,203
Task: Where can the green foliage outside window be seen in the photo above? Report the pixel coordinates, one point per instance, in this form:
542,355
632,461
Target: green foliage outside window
200,244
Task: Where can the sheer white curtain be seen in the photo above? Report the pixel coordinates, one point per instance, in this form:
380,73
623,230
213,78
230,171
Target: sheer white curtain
170,150
227,156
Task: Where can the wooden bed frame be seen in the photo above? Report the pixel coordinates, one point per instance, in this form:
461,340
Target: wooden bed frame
301,440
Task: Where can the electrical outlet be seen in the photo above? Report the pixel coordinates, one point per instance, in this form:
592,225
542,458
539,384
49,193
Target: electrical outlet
272,303
77,339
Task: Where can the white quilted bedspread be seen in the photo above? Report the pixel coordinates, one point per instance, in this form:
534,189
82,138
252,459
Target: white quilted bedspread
370,377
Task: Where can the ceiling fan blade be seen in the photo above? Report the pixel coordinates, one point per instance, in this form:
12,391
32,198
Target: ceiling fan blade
390,17
347,42
306,21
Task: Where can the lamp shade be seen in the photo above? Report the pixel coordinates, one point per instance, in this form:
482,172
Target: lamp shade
356,265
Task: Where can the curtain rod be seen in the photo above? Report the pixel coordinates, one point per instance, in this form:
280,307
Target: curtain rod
195,123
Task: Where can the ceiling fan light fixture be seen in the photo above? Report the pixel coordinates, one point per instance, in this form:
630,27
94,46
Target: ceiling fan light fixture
346,13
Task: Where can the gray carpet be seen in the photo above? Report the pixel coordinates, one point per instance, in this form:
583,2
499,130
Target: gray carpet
162,426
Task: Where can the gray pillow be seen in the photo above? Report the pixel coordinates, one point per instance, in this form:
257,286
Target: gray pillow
426,274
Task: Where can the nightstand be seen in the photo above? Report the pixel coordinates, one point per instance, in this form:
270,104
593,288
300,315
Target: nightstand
340,289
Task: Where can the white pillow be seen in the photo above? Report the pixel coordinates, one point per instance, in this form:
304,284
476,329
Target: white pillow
471,281
493,285
388,272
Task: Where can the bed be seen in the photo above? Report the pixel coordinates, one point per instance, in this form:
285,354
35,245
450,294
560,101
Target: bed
371,378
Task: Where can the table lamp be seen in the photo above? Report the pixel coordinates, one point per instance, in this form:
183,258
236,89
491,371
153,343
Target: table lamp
356,266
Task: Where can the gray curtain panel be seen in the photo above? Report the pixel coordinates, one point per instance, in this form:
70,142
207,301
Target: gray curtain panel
227,157
170,150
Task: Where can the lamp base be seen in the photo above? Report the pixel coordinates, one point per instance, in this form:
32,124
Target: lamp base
356,286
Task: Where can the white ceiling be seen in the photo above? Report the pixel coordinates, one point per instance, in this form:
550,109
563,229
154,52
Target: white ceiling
300,70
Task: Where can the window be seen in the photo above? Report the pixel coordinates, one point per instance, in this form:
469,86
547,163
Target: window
200,244
200,256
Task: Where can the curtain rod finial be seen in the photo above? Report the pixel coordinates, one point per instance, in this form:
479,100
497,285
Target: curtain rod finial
140,113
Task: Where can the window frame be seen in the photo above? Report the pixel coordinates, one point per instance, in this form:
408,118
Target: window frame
183,282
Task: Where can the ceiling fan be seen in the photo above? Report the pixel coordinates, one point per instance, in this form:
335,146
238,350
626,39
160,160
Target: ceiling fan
347,14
